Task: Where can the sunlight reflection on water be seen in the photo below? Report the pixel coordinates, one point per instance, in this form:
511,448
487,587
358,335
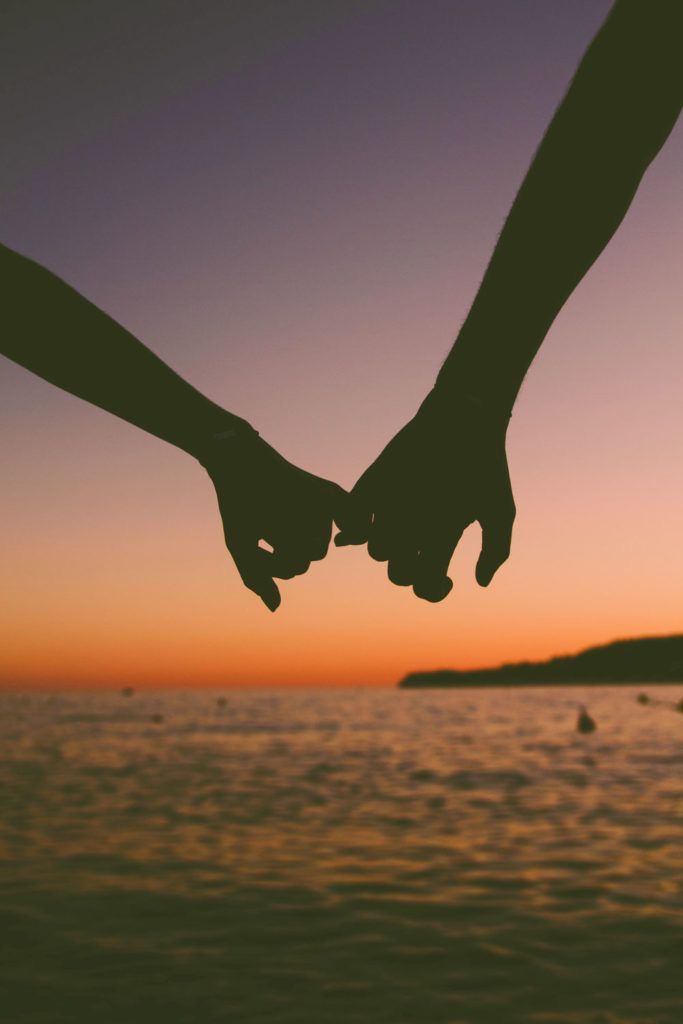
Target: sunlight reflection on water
300,856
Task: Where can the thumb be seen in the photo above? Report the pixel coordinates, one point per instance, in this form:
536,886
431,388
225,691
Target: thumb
495,547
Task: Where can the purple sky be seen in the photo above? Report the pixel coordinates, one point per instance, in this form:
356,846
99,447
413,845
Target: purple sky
293,204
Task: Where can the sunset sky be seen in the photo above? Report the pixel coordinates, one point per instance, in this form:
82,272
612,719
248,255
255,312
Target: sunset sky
293,203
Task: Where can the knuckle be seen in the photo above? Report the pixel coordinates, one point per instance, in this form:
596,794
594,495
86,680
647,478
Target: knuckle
433,591
377,551
400,576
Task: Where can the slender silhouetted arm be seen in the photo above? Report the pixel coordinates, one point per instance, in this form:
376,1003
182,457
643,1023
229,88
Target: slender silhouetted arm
51,329
448,466
54,331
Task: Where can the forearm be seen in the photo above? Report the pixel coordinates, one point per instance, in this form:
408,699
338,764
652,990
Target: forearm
56,333
618,112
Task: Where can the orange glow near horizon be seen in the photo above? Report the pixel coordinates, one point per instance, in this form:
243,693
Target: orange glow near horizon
317,298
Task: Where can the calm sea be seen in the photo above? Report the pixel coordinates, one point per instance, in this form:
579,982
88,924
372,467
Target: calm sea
393,857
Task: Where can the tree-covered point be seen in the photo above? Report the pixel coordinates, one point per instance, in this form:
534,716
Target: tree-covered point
656,659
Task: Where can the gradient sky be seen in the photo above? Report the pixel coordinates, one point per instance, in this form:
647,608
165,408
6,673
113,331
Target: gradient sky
293,203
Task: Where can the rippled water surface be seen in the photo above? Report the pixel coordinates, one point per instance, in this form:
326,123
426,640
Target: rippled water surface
346,856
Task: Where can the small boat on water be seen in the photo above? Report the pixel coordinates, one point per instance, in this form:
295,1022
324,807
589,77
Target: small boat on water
585,723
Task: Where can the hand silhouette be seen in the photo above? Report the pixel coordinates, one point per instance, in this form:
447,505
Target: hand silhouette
448,467
445,469
262,497
58,334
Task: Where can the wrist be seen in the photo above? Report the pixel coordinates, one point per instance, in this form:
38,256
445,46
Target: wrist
451,404
473,370
230,440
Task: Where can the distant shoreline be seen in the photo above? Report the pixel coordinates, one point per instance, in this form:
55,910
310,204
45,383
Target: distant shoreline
500,684
644,660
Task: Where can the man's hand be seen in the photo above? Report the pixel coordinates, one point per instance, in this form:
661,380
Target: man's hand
262,497
444,470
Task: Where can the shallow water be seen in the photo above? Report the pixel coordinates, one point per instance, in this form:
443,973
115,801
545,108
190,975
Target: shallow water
451,857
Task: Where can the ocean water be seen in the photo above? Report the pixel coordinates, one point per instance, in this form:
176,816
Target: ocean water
443,857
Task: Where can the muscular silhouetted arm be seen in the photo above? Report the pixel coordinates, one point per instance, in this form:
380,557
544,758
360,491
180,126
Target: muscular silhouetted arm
448,467
54,331
619,110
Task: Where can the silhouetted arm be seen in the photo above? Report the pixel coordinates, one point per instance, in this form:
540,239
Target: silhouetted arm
620,107
54,331
448,467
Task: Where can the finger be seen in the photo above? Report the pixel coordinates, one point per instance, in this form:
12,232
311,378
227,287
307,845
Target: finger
319,542
254,566
341,505
402,566
293,554
495,547
383,538
394,539
378,549
295,543
354,535
353,516
432,582
287,567
318,530
289,560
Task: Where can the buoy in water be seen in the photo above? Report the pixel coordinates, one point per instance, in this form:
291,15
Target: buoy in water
585,723
643,698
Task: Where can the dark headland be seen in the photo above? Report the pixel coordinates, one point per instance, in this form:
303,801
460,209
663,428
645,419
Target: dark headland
655,659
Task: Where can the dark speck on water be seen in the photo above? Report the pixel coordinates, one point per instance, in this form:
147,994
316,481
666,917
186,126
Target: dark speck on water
440,856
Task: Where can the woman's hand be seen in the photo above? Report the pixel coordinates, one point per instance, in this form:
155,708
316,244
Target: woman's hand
262,497
445,469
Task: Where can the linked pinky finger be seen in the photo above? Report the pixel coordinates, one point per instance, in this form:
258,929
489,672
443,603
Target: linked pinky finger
353,516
